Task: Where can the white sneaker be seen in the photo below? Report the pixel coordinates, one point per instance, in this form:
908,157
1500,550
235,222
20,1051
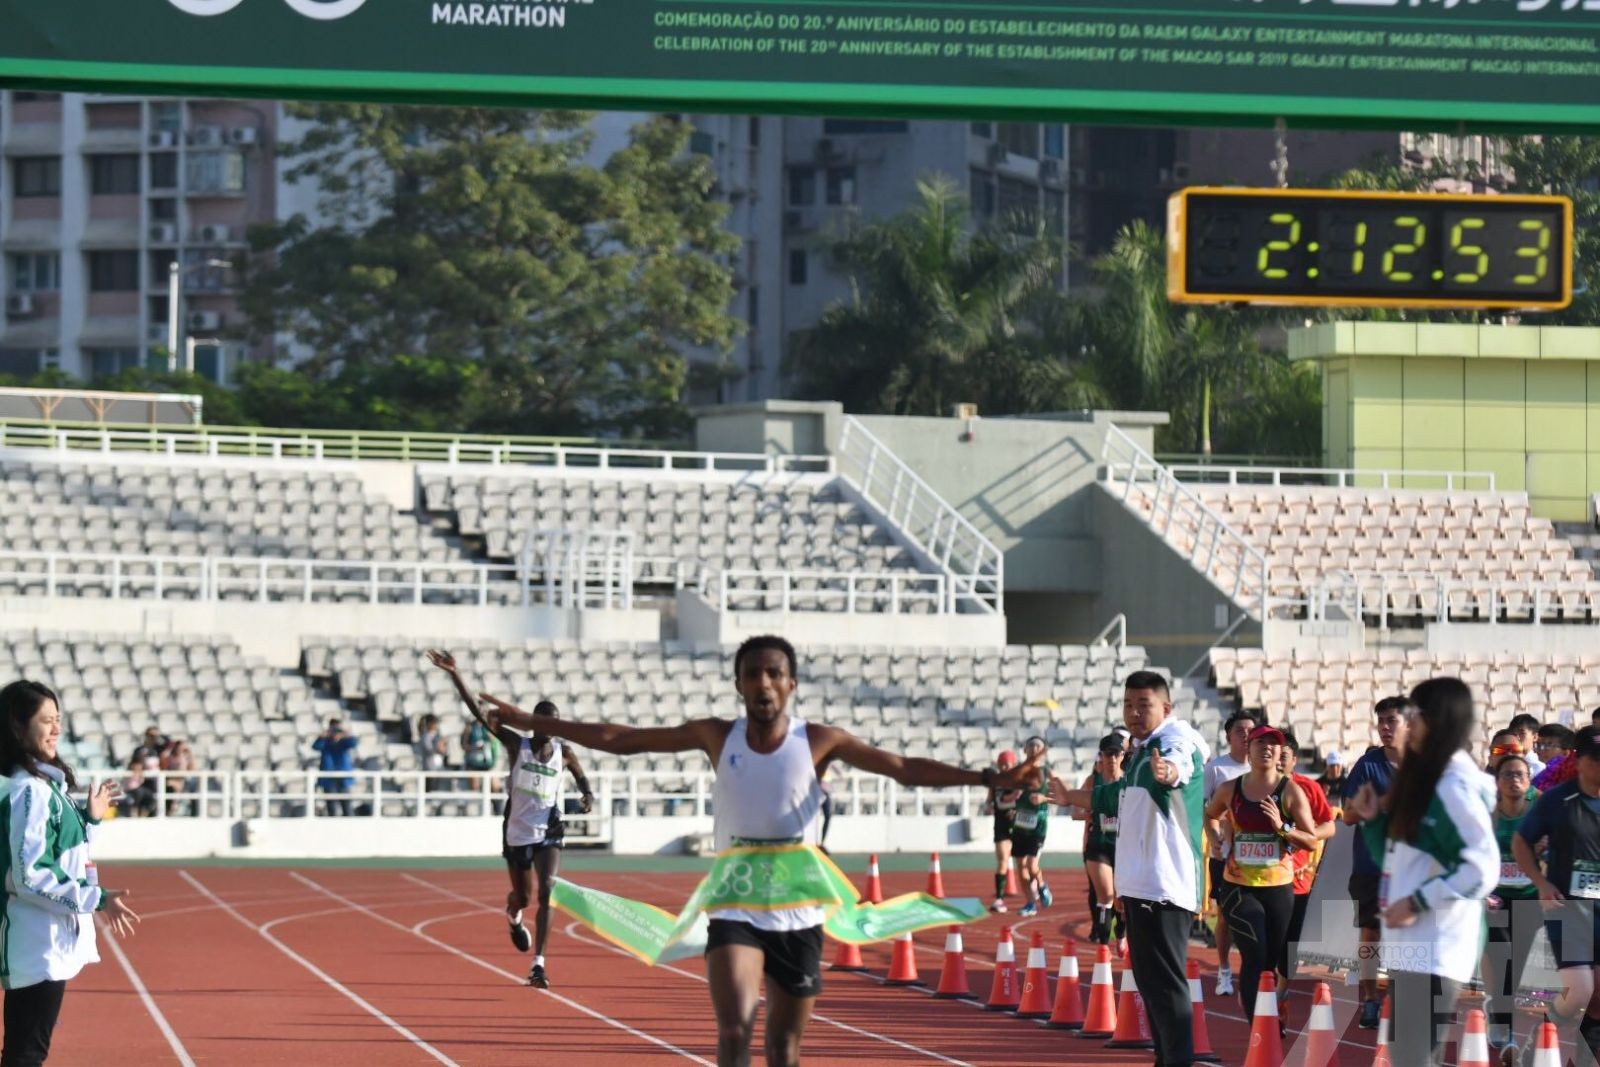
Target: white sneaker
999,906
1224,983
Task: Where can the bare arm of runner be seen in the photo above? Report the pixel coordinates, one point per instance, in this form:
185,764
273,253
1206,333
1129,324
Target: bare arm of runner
706,735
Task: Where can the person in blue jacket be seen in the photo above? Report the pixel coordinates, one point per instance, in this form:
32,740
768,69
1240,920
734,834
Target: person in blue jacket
338,753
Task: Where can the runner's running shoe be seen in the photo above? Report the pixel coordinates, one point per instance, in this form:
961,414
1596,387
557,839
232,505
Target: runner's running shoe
520,937
1046,898
999,906
537,978
1028,911
1370,1011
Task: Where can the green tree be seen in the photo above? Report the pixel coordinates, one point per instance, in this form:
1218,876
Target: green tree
473,272
938,314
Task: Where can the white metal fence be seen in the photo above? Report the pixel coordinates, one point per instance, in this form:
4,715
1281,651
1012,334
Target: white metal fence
1214,547
580,568
306,794
262,578
849,592
1387,597
974,564
632,461
1326,477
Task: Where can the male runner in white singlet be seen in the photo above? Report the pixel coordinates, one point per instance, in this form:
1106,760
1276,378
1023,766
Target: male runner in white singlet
532,833
766,791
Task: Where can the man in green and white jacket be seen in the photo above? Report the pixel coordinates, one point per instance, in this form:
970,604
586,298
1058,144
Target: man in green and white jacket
1160,830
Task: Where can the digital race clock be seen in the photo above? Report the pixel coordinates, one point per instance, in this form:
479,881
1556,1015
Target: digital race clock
1321,247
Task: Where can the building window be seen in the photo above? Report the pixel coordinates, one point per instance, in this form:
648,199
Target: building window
1020,138
166,116
834,127
802,187
163,211
982,195
983,129
1055,142
110,362
35,272
841,185
23,362
1019,203
215,172
702,143
37,175
752,306
116,175
1055,211
164,170
113,272
755,131
797,266
33,98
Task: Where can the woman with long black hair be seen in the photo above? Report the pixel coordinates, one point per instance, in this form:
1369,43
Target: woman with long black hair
51,890
1440,861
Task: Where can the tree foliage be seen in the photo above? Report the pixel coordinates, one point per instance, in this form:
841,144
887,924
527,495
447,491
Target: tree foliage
472,272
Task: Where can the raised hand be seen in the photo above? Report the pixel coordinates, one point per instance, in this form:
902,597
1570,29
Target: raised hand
1020,775
1165,771
101,797
442,659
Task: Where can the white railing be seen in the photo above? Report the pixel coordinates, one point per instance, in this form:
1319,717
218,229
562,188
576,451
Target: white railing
156,442
1331,477
303,794
1118,627
261,578
633,460
973,563
849,592
589,568
1442,598
1215,548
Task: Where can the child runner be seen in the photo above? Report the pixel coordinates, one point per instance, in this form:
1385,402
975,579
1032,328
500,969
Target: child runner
765,792
1003,804
51,889
1439,862
1513,916
1100,846
1029,825
1264,810
531,832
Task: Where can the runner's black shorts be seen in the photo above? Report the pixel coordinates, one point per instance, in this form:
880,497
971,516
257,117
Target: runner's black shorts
792,958
1002,826
1364,891
1096,853
1025,843
521,857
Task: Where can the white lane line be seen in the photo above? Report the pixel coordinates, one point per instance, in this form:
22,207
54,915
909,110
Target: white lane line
417,931
328,979
144,996
570,931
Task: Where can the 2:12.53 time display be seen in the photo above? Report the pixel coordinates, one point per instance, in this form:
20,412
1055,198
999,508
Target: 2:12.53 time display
1304,247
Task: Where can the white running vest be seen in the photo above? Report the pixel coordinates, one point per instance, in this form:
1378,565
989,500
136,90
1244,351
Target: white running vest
772,798
533,791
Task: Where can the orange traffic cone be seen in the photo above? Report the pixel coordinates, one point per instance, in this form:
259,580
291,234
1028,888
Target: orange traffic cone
1004,994
874,893
935,879
1035,983
848,958
1547,1053
1197,1026
1380,1057
953,976
1101,1021
1068,1013
1133,1024
903,966
1012,889
1266,1046
1321,1040
1474,1050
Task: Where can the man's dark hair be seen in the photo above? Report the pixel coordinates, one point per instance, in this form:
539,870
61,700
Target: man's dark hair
1563,736
1524,721
334,722
1594,717
1400,705
1147,680
1236,717
1032,739
763,643
1508,732
545,707
1288,737
1111,745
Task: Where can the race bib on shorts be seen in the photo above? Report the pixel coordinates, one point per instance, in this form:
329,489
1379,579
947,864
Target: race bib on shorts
1027,820
1257,850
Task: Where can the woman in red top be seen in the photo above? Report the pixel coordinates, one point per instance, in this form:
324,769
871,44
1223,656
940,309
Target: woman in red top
1261,811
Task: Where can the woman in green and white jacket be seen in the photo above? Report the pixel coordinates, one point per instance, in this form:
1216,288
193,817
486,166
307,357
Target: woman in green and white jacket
1440,861
51,893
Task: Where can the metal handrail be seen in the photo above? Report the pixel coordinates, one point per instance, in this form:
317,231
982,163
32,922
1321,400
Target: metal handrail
588,568
840,591
1119,624
973,563
1172,500
1486,599
1330,477
633,460
267,578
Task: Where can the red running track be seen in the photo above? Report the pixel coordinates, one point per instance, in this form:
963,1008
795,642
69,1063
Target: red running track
255,966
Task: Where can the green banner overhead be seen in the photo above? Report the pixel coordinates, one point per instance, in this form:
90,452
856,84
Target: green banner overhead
1532,64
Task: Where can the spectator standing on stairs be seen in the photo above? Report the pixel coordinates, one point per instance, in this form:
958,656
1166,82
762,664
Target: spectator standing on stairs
337,752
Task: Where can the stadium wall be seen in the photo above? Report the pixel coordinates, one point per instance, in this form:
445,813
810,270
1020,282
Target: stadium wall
700,623
1173,610
1400,395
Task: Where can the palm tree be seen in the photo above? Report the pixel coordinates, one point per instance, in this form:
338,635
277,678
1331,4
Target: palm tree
937,314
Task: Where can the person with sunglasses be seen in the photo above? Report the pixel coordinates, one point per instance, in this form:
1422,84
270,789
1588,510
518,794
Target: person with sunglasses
1513,915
